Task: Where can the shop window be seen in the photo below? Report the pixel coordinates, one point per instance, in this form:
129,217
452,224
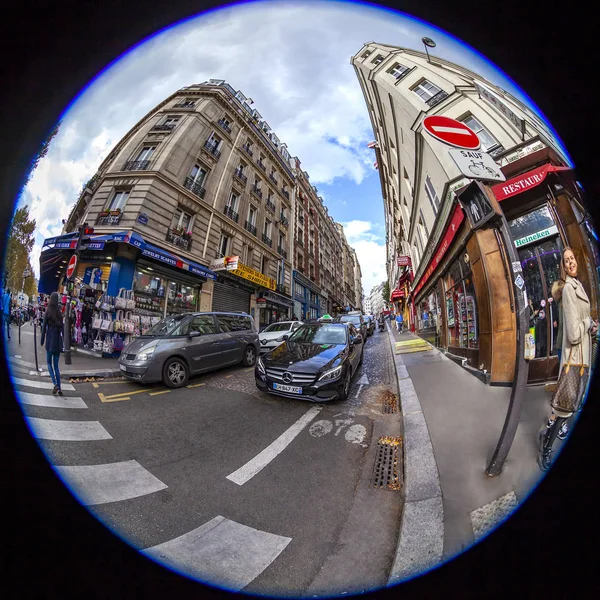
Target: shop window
204,324
182,298
538,223
461,308
119,200
149,293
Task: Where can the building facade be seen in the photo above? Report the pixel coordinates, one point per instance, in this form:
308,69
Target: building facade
448,273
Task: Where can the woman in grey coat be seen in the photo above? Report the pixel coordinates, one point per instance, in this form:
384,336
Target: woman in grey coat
578,329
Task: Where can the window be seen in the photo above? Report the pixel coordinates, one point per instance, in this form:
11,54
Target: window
187,103
301,261
281,240
204,324
242,166
223,245
215,141
366,53
408,183
267,229
198,174
252,212
245,253
233,201
264,265
119,200
171,120
257,183
145,153
487,140
433,197
378,59
182,220
426,90
226,120
397,70
423,222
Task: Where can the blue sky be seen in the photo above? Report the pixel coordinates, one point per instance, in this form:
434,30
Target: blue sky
293,60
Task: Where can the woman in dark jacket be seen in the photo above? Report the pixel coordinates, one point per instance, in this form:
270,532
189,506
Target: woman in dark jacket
52,333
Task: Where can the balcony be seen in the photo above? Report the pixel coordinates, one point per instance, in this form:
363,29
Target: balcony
270,206
188,105
224,125
300,243
286,194
281,252
136,165
257,192
179,238
211,149
282,289
283,220
111,217
272,178
194,187
247,150
229,212
238,174
164,127
261,165
251,228
267,240
441,95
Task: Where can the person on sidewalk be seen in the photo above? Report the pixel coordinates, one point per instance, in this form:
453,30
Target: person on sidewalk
399,322
578,329
52,334
6,302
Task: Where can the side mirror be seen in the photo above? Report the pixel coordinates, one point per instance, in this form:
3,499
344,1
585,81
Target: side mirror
357,340
194,334
286,336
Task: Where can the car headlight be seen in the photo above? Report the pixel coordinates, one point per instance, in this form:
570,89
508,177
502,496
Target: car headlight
331,374
260,366
148,355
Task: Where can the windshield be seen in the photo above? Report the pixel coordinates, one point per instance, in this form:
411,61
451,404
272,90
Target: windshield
320,334
278,327
354,319
166,326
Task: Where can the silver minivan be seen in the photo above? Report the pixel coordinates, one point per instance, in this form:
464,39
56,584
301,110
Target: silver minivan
190,343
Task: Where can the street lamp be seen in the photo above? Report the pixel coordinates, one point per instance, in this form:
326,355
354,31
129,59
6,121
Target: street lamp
428,42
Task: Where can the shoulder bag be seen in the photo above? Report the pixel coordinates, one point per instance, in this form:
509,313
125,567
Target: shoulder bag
121,300
571,385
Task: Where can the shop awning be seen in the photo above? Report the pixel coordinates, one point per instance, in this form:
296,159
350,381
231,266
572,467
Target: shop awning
396,294
274,298
525,181
161,255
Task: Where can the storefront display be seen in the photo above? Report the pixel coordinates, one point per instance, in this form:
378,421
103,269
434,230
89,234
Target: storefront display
461,307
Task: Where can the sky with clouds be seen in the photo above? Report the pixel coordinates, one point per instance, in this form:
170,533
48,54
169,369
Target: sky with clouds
293,60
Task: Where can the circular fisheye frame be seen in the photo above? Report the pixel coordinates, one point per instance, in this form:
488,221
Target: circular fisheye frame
166,296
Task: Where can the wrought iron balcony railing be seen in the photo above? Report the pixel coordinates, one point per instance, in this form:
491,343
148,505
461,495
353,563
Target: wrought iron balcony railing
261,165
194,187
183,240
108,219
136,165
256,192
229,212
283,220
273,178
281,252
441,95
185,105
164,127
286,194
270,206
224,125
251,228
282,289
267,240
240,175
211,148
247,150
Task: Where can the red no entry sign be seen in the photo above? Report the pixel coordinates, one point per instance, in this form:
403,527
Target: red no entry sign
71,266
451,132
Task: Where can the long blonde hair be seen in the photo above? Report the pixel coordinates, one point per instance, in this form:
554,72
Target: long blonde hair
563,271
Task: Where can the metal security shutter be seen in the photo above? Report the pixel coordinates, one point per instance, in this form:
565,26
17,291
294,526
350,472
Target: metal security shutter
230,298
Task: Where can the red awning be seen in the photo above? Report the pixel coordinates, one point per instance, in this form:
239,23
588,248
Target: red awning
397,294
524,182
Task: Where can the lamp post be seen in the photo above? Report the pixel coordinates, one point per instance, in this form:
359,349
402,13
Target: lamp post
428,42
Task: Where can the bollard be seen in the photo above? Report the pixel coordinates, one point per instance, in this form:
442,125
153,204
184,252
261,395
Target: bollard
19,331
37,369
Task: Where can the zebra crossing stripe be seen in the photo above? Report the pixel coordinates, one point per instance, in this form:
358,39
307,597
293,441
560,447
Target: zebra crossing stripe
221,552
42,385
70,431
100,484
51,401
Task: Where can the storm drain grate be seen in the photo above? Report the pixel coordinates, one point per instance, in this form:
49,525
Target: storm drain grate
387,464
390,403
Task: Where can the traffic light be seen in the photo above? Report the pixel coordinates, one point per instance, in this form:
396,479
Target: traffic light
88,231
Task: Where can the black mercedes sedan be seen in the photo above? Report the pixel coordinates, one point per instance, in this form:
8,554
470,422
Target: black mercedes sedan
314,363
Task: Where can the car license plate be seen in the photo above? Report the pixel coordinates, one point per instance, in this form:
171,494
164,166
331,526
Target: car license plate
291,389
123,367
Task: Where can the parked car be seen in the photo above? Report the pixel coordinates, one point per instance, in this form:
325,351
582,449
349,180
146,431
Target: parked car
370,319
272,336
315,363
190,343
357,319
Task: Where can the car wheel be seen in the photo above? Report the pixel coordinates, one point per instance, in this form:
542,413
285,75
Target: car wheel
249,356
175,373
346,389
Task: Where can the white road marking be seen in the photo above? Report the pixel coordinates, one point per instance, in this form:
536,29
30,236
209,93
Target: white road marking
99,484
364,380
356,434
446,129
320,428
260,461
71,431
43,385
51,401
221,552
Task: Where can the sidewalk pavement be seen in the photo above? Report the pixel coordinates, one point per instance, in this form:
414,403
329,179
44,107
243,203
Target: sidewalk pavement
84,363
452,423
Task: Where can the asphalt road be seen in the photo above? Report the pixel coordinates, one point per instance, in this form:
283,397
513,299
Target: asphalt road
232,486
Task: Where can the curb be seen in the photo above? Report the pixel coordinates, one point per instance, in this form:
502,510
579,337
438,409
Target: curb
68,373
421,537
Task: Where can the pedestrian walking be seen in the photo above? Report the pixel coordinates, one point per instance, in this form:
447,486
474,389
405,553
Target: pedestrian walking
576,357
6,305
399,322
52,334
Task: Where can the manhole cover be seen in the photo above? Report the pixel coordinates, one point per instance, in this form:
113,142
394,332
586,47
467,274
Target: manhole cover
389,403
387,464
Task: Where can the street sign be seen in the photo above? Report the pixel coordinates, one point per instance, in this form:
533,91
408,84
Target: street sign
476,164
71,266
452,132
520,281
